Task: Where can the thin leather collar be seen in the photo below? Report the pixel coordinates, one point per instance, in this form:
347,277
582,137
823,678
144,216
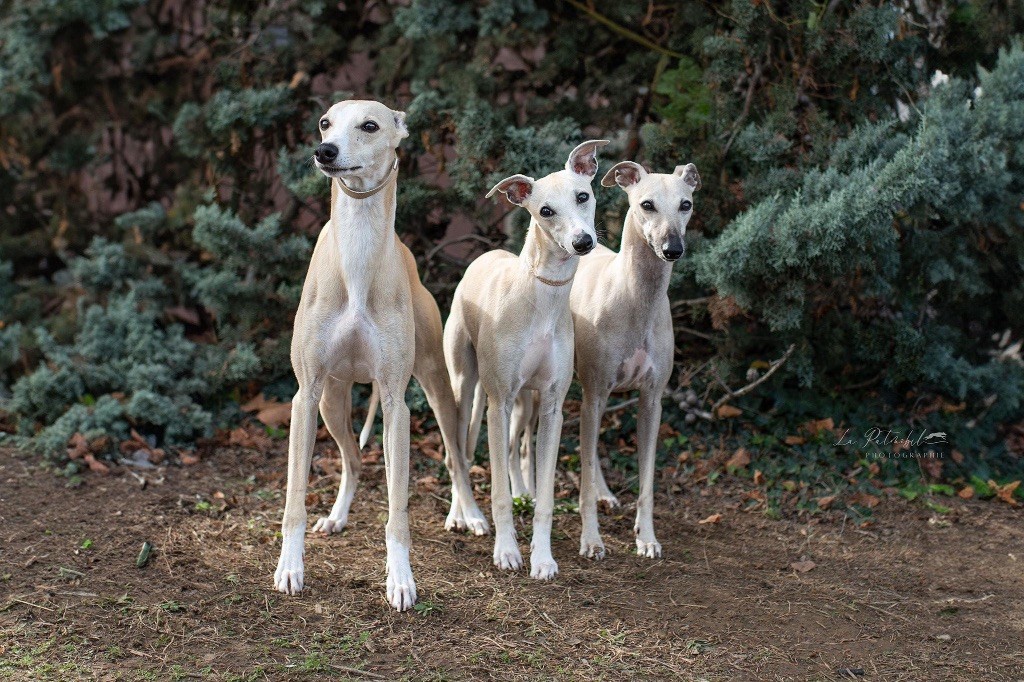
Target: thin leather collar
356,194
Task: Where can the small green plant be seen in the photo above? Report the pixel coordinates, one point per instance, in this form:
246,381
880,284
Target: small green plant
425,607
86,544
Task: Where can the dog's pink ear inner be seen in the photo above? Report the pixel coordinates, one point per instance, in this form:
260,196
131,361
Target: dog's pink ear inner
516,188
623,174
689,175
583,159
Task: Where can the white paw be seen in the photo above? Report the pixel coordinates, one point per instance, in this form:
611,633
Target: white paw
543,568
651,550
608,500
455,521
327,525
592,547
288,576
401,588
476,523
506,555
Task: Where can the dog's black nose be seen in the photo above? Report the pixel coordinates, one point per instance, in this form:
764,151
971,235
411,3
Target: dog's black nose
673,251
326,153
583,243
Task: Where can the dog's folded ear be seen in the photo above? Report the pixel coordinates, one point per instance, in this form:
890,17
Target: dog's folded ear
583,159
515,187
403,131
624,174
689,175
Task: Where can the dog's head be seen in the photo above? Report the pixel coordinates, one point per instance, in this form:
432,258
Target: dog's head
357,138
661,203
562,204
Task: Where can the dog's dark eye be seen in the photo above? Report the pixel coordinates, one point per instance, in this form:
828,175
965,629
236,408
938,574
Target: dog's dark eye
546,212
324,124
685,206
370,127
582,198
647,205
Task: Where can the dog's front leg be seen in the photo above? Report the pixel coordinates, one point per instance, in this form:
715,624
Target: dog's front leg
288,577
506,549
592,409
549,432
648,421
401,588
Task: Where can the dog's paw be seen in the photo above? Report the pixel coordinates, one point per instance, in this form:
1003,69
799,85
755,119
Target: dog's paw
455,522
327,525
476,523
288,576
592,548
651,550
401,589
543,568
507,556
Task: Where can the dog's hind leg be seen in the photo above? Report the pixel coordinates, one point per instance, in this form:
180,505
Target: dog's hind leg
336,409
519,434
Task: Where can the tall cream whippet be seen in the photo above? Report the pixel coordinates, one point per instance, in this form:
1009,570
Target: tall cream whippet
365,317
623,324
510,329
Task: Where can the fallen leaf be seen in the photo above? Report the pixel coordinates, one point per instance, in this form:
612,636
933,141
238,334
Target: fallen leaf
312,499
966,493
826,502
714,518
957,456
77,446
270,412
728,411
739,460
96,465
428,483
795,440
189,458
865,500
1005,492
802,566
758,477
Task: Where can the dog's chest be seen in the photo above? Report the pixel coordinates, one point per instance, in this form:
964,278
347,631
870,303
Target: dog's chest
354,356
540,359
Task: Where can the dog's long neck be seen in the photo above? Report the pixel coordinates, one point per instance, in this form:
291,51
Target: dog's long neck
364,235
645,275
542,257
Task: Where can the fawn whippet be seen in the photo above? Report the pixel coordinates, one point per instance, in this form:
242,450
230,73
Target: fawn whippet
510,329
365,317
623,324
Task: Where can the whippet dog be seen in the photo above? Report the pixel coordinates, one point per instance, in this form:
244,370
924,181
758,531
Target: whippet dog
623,325
510,329
365,317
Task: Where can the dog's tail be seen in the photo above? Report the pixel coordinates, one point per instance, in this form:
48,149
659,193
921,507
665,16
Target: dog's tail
479,407
371,415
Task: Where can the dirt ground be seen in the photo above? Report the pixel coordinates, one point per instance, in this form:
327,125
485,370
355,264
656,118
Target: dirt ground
911,597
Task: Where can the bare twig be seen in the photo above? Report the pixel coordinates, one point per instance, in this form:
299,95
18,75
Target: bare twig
622,30
730,394
455,240
611,408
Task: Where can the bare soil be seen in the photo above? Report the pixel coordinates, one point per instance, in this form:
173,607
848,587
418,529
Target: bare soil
912,596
